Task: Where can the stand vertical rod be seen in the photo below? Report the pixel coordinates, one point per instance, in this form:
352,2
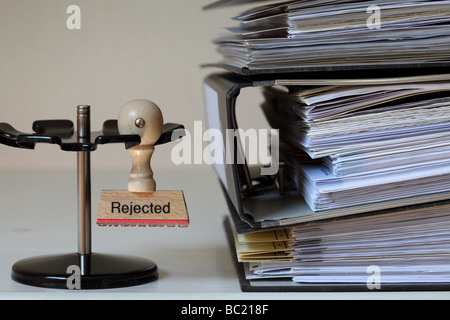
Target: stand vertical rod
84,185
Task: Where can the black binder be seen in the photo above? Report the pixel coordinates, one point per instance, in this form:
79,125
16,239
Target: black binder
253,199
249,195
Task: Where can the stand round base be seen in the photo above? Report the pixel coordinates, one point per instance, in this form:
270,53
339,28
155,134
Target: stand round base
93,271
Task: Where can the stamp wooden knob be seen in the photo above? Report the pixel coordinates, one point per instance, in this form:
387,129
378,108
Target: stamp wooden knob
144,118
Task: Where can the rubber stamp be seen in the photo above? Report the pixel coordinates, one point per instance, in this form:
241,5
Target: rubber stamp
142,204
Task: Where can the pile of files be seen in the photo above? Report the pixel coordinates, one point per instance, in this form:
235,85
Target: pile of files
364,124
349,148
401,251
361,148
373,143
323,33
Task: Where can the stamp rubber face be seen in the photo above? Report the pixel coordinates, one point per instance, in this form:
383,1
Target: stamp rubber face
159,208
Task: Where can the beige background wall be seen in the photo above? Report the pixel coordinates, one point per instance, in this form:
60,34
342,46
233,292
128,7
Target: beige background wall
126,49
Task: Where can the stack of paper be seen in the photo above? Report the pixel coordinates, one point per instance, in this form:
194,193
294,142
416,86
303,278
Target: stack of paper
409,247
325,33
372,143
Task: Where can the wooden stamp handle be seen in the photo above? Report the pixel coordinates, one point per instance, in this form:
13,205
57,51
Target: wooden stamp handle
144,118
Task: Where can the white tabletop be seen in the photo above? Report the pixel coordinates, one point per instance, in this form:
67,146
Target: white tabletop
39,217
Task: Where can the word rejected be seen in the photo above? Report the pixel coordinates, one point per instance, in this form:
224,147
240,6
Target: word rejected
159,208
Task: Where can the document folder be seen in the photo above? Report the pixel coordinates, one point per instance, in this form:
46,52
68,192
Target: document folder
261,202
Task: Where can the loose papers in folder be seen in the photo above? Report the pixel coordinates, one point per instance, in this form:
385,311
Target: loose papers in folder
321,33
371,143
405,248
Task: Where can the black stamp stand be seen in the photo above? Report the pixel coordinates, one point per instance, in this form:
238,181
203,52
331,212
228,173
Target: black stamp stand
97,270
